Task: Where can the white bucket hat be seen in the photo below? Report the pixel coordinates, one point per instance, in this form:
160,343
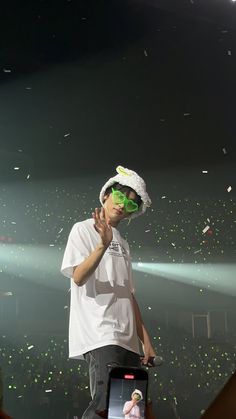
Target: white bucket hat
127,177
137,392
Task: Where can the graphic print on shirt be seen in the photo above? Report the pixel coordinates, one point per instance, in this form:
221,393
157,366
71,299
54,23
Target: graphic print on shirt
115,249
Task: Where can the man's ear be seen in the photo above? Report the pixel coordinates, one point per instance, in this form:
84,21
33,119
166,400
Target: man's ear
105,198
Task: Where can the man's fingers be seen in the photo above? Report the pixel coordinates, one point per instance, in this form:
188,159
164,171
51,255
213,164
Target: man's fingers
144,360
148,361
95,214
97,217
102,216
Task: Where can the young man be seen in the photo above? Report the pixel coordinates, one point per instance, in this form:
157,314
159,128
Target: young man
131,408
105,321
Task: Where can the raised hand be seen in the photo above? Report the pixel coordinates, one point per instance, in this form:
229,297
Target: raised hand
102,226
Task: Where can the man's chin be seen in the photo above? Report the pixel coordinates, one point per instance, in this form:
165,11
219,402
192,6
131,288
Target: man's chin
116,216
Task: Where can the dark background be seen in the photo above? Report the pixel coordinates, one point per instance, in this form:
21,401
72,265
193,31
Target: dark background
147,83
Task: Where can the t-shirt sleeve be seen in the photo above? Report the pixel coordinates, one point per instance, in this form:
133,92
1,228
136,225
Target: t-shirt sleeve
126,406
77,249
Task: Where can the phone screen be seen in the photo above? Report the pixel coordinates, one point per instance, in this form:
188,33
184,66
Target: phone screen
127,394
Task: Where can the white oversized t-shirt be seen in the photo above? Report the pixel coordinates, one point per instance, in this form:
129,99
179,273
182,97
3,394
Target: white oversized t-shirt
134,412
101,310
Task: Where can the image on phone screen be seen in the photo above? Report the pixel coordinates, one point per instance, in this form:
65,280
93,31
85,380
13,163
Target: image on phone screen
127,395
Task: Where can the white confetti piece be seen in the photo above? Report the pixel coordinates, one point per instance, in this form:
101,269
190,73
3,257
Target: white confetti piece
48,391
208,219
163,197
204,171
6,70
205,229
28,88
51,245
197,251
65,307
13,222
30,347
187,114
145,52
173,244
229,189
67,135
16,168
28,176
229,52
224,150
147,231
59,232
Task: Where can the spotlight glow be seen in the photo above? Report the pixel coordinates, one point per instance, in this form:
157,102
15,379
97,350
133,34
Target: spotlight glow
39,264
216,277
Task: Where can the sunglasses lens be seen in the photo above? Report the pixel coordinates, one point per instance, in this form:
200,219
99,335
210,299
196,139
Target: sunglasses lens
131,206
118,197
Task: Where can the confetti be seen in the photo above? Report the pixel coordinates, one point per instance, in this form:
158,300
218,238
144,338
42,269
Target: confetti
30,347
205,229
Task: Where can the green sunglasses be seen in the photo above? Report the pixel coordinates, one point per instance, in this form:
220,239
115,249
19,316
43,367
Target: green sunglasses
119,198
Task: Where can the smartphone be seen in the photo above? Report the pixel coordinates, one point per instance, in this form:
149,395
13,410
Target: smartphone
127,393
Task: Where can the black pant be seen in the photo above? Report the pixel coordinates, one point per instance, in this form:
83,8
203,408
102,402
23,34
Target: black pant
100,361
